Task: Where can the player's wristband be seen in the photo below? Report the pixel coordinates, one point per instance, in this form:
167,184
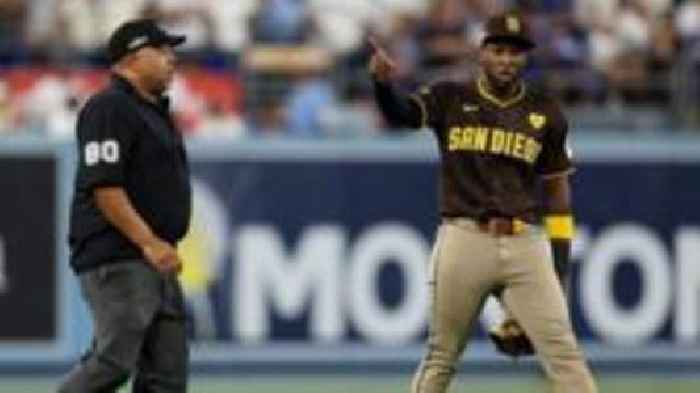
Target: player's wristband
560,226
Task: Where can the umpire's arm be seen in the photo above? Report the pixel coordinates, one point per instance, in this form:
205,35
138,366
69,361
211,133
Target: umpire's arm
105,139
115,205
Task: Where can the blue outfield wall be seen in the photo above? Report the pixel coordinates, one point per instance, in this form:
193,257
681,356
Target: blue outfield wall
307,254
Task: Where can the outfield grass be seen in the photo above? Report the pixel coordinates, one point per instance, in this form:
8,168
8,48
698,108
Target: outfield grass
268,384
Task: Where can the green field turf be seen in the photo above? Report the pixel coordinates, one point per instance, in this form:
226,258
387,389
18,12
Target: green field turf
268,384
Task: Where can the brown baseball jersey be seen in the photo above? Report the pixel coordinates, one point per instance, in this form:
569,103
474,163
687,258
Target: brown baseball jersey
493,150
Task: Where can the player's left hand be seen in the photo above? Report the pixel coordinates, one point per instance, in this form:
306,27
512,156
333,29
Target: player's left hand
510,339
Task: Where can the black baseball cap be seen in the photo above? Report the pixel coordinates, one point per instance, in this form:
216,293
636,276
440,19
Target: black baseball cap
508,28
135,34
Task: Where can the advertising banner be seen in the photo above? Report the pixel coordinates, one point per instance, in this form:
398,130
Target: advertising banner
316,254
637,280
333,252
28,255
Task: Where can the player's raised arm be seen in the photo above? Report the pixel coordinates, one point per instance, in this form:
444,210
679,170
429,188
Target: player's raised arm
398,107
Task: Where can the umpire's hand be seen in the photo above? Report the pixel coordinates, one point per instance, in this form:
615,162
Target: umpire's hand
381,65
162,256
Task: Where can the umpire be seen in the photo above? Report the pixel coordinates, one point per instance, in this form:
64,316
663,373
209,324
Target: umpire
131,206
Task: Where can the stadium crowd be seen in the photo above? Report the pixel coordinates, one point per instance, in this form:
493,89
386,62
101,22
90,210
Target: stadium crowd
297,67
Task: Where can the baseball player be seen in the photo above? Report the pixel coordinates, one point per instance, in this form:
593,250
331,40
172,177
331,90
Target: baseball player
500,142
131,205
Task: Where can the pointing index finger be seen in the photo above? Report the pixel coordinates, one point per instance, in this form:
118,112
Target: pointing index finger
375,44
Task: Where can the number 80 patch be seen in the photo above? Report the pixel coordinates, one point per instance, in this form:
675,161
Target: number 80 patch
107,151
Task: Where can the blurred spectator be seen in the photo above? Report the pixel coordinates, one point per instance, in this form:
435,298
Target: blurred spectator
40,28
404,7
567,45
229,21
281,22
188,107
13,15
60,123
658,8
302,63
442,36
218,123
688,21
626,70
6,116
358,116
554,6
628,77
483,9
598,17
200,98
268,118
298,76
633,23
51,106
310,98
185,17
563,61
665,44
85,25
665,47
342,24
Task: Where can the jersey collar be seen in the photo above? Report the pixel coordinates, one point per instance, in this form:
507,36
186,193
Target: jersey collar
484,92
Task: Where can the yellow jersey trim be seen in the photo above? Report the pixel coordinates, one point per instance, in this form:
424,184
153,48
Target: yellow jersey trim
483,91
423,110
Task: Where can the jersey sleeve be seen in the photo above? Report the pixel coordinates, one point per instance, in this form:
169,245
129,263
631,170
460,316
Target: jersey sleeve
556,156
104,138
397,107
429,99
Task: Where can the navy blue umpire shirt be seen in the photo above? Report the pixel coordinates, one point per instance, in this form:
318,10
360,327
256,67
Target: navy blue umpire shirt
124,140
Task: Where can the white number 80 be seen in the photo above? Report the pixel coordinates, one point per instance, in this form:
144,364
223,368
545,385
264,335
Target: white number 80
107,151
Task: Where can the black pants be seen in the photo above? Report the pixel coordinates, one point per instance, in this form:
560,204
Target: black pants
139,322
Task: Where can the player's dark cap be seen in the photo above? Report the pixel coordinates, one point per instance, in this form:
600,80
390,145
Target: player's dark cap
508,28
136,34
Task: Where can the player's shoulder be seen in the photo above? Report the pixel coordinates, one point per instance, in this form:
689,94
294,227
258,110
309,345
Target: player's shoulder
459,85
540,96
543,101
444,86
